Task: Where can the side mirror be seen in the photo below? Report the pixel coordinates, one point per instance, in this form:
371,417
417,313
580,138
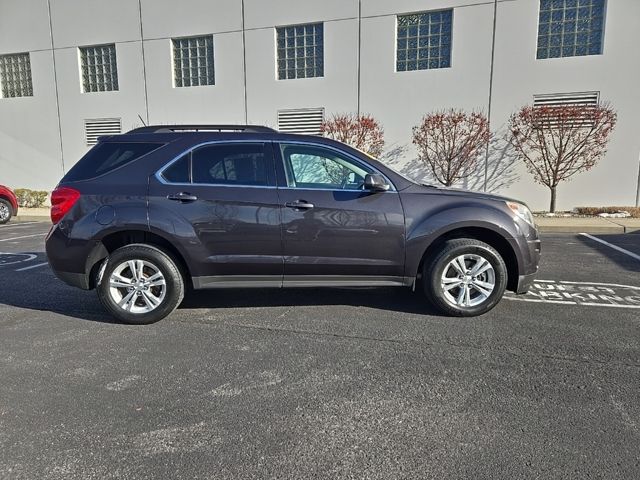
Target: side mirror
375,183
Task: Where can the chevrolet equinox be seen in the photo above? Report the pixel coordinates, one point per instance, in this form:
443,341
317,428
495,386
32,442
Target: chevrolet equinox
147,214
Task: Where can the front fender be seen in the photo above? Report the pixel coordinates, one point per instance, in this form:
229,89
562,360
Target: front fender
423,232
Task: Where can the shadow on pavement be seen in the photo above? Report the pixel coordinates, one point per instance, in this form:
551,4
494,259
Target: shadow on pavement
56,297
627,241
393,299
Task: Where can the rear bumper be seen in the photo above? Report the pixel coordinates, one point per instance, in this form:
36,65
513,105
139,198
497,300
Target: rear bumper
80,280
72,260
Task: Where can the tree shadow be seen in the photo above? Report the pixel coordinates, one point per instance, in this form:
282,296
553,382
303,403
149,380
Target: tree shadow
501,165
399,159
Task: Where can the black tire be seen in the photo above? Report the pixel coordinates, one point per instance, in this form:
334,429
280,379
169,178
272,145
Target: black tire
6,211
435,267
151,258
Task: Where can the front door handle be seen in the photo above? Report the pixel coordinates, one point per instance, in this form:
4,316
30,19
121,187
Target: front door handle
182,197
299,205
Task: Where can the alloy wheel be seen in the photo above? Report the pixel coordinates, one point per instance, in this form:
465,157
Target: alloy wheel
468,280
137,286
4,212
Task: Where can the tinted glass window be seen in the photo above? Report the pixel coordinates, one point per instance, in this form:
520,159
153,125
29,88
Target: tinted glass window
234,164
178,171
108,156
316,167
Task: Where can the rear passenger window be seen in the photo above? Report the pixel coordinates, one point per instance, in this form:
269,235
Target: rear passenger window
107,156
233,164
178,171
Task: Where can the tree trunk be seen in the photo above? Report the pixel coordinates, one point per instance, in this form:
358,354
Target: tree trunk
552,206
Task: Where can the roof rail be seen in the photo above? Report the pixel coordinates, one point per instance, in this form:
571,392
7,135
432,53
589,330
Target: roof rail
202,128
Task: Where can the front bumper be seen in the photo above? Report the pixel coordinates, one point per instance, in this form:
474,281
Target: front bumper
525,282
529,275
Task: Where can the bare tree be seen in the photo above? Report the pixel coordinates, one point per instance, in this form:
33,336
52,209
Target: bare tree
556,142
450,141
360,131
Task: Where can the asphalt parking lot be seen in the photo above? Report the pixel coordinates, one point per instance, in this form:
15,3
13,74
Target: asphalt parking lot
325,383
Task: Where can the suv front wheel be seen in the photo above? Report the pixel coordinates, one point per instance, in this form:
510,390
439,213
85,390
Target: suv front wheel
465,278
140,284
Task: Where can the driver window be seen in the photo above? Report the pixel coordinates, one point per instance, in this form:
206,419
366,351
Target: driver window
309,166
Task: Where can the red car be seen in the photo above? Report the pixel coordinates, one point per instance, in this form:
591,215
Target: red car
8,204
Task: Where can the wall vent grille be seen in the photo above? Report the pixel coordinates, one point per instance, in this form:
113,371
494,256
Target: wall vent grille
98,127
558,100
551,118
304,120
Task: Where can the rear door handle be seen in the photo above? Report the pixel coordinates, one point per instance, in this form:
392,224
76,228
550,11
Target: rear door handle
182,197
299,205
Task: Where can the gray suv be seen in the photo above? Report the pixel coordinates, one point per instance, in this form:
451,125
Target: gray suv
147,214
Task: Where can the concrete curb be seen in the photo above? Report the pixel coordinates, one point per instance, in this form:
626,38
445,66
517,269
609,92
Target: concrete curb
593,225
31,218
595,230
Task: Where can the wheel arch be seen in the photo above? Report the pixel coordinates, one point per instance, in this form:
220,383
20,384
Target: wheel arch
114,240
499,242
12,205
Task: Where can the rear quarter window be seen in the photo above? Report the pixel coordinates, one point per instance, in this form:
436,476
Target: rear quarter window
106,157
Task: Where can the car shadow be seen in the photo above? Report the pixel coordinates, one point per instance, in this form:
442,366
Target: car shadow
621,259
392,299
58,298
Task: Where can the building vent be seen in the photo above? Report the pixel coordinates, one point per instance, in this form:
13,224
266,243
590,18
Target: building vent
304,120
556,101
98,127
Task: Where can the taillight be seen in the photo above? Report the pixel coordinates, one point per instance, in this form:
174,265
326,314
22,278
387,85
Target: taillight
62,199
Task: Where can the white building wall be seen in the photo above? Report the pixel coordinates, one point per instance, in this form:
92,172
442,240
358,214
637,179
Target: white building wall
219,103
94,22
30,139
615,74
336,91
29,135
400,99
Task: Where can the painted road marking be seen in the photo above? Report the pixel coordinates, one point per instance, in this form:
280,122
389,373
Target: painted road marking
24,236
31,266
611,245
588,294
13,258
17,225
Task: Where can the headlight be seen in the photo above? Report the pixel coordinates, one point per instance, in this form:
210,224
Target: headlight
522,211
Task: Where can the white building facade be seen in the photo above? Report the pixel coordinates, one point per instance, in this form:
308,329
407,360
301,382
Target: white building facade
71,70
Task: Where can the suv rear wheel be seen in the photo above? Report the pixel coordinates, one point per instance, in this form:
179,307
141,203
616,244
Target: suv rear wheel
465,278
140,284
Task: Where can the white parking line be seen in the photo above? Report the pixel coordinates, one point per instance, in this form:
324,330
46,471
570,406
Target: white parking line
20,224
592,283
588,294
24,236
29,257
18,227
615,247
31,266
